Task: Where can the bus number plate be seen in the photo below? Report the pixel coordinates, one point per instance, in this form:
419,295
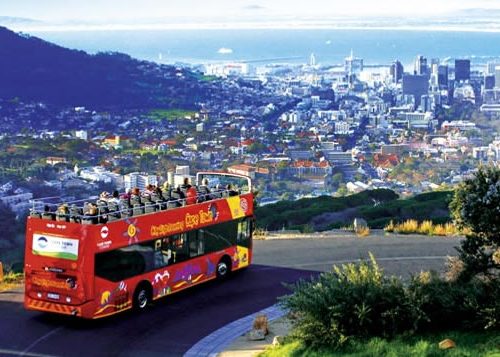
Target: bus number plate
53,296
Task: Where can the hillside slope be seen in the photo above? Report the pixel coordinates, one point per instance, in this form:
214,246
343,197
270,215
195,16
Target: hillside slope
378,207
35,70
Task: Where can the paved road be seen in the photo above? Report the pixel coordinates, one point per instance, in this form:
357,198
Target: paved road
169,328
174,324
396,254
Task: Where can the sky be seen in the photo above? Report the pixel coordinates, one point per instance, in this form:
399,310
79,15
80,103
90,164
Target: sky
116,11
67,15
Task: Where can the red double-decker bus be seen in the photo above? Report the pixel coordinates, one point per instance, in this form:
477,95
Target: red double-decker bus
115,260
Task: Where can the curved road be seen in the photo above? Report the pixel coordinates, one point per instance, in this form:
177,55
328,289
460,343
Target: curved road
177,322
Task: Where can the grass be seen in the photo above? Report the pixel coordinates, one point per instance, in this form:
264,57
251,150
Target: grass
170,114
11,281
412,226
473,344
363,232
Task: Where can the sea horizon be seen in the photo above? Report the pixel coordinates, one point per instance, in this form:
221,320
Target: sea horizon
379,46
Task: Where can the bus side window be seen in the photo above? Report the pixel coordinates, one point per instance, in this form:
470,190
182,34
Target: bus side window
196,246
179,248
243,232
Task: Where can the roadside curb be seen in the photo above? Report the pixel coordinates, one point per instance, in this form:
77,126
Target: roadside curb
220,339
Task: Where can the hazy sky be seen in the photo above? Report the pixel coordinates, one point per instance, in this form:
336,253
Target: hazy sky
116,11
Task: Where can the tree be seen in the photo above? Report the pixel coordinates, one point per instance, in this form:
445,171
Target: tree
476,206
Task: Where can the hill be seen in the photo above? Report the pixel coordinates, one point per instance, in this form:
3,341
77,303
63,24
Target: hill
35,70
378,207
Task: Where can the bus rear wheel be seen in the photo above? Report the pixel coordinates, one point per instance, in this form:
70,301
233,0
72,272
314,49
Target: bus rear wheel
223,268
142,296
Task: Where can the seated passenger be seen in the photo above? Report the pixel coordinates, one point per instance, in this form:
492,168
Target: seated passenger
204,191
185,185
230,191
62,213
135,196
47,213
115,198
104,196
191,195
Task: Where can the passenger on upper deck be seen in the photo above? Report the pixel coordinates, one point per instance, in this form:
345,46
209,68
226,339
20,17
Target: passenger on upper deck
204,191
115,198
190,191
230,190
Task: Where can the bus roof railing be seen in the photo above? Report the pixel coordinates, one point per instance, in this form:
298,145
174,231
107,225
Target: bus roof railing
93,210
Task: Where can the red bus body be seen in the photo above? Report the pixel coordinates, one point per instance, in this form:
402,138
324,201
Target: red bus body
60,257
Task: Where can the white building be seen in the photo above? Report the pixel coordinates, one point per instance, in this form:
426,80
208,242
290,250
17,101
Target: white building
139,180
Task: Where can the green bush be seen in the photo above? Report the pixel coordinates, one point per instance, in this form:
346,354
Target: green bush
474,304
351,301
476,206
355,302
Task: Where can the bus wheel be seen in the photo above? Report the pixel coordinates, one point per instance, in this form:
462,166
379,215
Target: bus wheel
223,268
142,296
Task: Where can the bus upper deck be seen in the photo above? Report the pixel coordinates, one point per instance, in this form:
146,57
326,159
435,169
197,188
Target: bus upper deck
101,210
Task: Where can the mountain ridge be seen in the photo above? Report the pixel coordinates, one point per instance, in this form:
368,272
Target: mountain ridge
36,70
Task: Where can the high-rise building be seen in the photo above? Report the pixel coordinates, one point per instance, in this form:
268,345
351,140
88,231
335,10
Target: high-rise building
396,71
490,67
497,76
353,65
443,75
416,85
421,66
489,82
462,70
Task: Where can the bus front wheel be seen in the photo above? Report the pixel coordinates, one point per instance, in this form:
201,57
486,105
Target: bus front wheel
223,268
142,296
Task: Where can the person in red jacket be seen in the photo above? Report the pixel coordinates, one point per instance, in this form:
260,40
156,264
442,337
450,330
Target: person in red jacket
191,194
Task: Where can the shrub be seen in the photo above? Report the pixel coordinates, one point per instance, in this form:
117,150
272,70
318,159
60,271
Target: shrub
407,227
363,232
426,227
390,227
351,301
476,206
354,302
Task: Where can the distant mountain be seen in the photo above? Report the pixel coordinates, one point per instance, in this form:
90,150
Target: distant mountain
8,20
35,70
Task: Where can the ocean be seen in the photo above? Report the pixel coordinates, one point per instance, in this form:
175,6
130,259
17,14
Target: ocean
330,47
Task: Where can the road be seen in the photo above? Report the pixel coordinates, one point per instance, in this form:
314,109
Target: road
174,324
396,254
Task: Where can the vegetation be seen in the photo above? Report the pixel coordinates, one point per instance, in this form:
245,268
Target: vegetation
476,206
11,280
412,226
469,344
170,114
354,303
35,70
377,207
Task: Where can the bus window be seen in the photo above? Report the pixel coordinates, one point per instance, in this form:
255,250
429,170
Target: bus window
179,248
243,237
220,236
196,243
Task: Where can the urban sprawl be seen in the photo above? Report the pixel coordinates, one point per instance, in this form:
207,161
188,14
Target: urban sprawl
298,130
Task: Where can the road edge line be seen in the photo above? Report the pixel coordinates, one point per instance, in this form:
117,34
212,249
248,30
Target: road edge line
218,340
